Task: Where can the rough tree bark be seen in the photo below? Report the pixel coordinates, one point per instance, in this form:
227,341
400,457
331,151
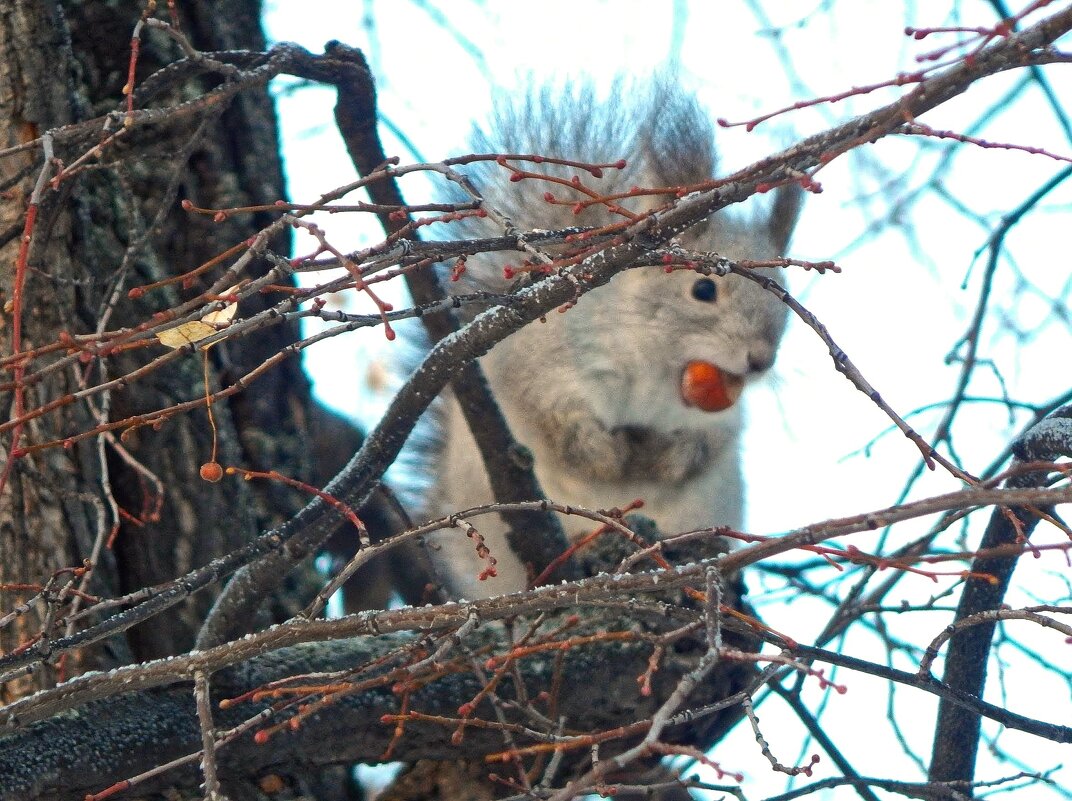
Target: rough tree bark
117,225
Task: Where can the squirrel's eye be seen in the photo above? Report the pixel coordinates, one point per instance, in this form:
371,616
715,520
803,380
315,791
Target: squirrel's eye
704,289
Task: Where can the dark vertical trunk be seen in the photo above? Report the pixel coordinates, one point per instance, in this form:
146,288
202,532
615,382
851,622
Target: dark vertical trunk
112,227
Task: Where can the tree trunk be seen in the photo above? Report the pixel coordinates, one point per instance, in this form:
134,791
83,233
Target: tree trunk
112,227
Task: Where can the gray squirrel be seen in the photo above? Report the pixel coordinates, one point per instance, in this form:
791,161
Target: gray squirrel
601,394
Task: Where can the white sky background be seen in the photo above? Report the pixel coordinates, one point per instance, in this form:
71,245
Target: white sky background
897,309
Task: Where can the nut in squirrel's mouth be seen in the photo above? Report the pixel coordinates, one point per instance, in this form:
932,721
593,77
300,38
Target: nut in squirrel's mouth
708,387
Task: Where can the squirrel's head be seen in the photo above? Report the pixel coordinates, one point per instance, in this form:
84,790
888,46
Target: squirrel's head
635,338
683,339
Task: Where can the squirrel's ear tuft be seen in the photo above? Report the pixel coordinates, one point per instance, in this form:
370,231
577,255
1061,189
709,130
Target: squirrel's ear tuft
788,200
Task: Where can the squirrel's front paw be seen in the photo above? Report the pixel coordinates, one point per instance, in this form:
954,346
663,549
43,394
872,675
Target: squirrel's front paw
682,455
590,448
663,456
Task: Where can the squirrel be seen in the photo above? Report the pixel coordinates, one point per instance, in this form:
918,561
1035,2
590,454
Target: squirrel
631,393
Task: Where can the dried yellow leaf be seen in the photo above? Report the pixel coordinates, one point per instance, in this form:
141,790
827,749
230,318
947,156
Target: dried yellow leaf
184,334
196,330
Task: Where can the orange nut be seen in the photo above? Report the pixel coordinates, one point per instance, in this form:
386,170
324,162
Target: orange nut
706,387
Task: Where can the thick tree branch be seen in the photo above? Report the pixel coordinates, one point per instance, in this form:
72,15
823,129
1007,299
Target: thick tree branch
103,740
956,738
97,740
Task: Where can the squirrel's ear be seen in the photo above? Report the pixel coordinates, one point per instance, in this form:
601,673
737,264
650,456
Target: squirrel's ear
788,201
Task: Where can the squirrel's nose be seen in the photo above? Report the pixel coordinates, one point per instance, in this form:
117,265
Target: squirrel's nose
760,361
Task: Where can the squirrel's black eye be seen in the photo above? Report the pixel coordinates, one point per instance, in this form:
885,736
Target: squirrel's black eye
704,289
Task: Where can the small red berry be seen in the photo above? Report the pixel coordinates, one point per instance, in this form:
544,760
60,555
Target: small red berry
211,471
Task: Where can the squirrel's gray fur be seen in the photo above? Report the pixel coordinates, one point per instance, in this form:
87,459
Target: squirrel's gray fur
595,392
